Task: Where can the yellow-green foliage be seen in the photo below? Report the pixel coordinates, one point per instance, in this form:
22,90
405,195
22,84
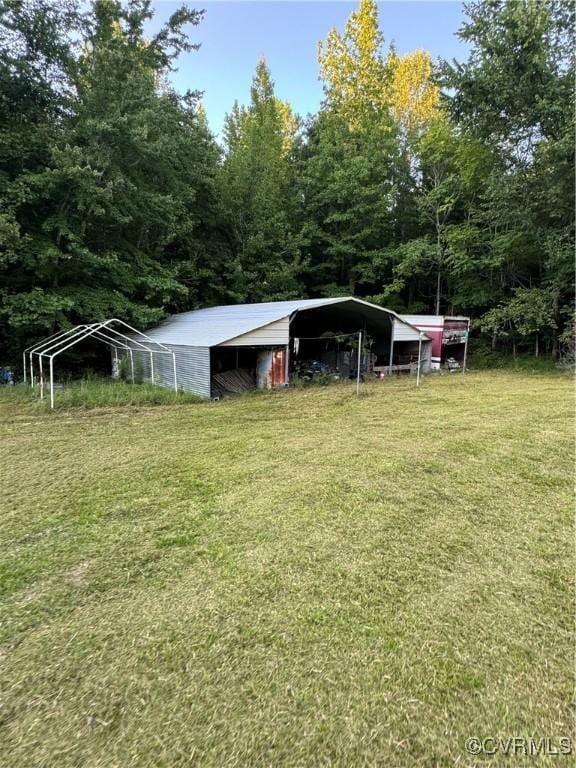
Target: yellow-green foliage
414,98
294,578
360,81
352,68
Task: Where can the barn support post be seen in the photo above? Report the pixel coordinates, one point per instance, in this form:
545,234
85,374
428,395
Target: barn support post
419,359
174,369
152,367
52,382
358,364
132,365
24,361
287,366
391,348
465,355
31,371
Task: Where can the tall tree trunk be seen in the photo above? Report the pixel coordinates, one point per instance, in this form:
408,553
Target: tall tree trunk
438,284
536,347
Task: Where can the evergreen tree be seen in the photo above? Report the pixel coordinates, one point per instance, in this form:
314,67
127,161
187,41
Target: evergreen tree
351,164
348,196
259,193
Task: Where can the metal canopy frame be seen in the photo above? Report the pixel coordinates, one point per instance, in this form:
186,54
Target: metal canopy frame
59,342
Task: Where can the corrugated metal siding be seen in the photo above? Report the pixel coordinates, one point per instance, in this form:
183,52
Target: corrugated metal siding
405,332
142,362
192,368
269,335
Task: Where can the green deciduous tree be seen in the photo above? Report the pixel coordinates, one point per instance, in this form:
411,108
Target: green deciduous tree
353,69
115,199
515,93
107,215
528,314
445,265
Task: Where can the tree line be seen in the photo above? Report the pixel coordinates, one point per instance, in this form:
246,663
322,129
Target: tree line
441,187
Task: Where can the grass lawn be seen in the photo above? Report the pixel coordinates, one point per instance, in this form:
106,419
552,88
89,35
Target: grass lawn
289,579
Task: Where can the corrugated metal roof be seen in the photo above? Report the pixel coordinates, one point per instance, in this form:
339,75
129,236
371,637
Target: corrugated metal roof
215,325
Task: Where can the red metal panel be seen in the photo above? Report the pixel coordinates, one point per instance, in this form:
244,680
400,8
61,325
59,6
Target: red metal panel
278,367
456,325
455,331
436,337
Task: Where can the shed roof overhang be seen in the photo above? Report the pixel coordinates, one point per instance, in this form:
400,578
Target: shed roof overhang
225,325
346,316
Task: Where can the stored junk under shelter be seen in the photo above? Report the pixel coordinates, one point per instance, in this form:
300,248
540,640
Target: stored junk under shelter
229,349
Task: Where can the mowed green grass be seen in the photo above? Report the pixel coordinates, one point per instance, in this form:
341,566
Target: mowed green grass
296,578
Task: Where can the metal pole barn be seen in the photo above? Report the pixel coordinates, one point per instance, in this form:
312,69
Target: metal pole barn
358,364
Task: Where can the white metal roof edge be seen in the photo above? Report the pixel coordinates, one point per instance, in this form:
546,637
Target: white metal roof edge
390,312
214,315
315,303
326,302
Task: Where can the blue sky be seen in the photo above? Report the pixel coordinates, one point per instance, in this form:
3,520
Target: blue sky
233,35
